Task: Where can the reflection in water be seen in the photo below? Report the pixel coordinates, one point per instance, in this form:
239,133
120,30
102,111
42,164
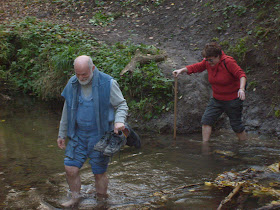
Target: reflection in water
32,172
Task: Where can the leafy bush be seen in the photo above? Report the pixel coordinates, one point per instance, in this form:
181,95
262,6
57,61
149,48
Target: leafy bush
32,63
38,57
146,88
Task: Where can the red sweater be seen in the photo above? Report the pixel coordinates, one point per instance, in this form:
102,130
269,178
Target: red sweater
225,83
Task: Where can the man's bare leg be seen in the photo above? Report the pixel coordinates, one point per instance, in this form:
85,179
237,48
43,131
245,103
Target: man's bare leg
74,182
242,136
101,185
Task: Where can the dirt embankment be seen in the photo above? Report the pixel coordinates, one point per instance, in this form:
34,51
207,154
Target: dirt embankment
181,28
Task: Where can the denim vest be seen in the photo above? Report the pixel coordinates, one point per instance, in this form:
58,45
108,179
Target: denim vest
101,86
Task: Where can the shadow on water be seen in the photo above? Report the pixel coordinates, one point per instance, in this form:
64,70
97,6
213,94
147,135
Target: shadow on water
164,173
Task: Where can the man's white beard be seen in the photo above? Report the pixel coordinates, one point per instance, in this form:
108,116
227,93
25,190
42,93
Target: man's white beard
85,82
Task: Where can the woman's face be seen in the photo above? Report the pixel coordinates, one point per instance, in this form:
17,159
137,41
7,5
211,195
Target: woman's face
213,60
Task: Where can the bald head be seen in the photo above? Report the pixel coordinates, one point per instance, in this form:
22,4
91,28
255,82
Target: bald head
83,61
84,67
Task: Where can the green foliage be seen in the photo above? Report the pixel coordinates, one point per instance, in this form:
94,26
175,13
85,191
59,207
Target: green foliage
277,70
227,10
38,58
259,2
99,3
236,9
125,3
237,50
215,39
6,48
208,3
146,88
35,46
101,19
252,85
266,13
155,86
247,69
261,32
158,2
277,113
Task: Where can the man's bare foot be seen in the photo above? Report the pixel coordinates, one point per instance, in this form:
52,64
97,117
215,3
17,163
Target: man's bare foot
101,197
102,201
242,136
73,202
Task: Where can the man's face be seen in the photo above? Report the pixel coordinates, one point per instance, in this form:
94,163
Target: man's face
84,74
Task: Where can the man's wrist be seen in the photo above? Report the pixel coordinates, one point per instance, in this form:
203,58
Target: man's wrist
61,137
243,89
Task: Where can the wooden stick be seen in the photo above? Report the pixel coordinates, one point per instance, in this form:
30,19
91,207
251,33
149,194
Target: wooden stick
181,187
229,197
175,106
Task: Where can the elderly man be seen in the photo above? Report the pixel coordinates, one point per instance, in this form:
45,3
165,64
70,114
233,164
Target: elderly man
93,105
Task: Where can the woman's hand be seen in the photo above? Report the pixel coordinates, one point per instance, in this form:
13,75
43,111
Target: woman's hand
241,91
241,94
179,71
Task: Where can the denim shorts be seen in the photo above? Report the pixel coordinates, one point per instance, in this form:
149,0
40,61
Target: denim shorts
80,153
233,109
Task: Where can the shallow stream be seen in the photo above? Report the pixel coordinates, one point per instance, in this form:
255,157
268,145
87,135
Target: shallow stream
32,172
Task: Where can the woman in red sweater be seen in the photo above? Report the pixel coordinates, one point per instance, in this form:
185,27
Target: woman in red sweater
228,82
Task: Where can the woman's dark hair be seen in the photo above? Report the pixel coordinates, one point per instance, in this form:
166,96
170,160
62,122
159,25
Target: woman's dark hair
212,50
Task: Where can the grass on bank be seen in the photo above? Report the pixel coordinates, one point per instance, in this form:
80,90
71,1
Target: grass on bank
37,57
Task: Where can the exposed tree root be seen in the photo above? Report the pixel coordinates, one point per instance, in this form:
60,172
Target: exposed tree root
142,59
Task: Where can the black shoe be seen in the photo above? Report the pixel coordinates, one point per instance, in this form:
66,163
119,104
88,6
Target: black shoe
103,142
115,144
133,139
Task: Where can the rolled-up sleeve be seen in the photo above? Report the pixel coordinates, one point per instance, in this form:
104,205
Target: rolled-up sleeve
63,122
118,102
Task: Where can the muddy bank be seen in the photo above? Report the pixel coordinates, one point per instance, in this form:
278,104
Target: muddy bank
181,29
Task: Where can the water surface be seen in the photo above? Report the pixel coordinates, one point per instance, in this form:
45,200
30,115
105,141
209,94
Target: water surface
32,173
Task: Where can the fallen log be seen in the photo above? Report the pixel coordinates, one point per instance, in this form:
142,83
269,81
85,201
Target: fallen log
142,59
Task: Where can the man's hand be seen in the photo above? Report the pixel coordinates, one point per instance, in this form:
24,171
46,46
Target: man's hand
118,127
61,143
